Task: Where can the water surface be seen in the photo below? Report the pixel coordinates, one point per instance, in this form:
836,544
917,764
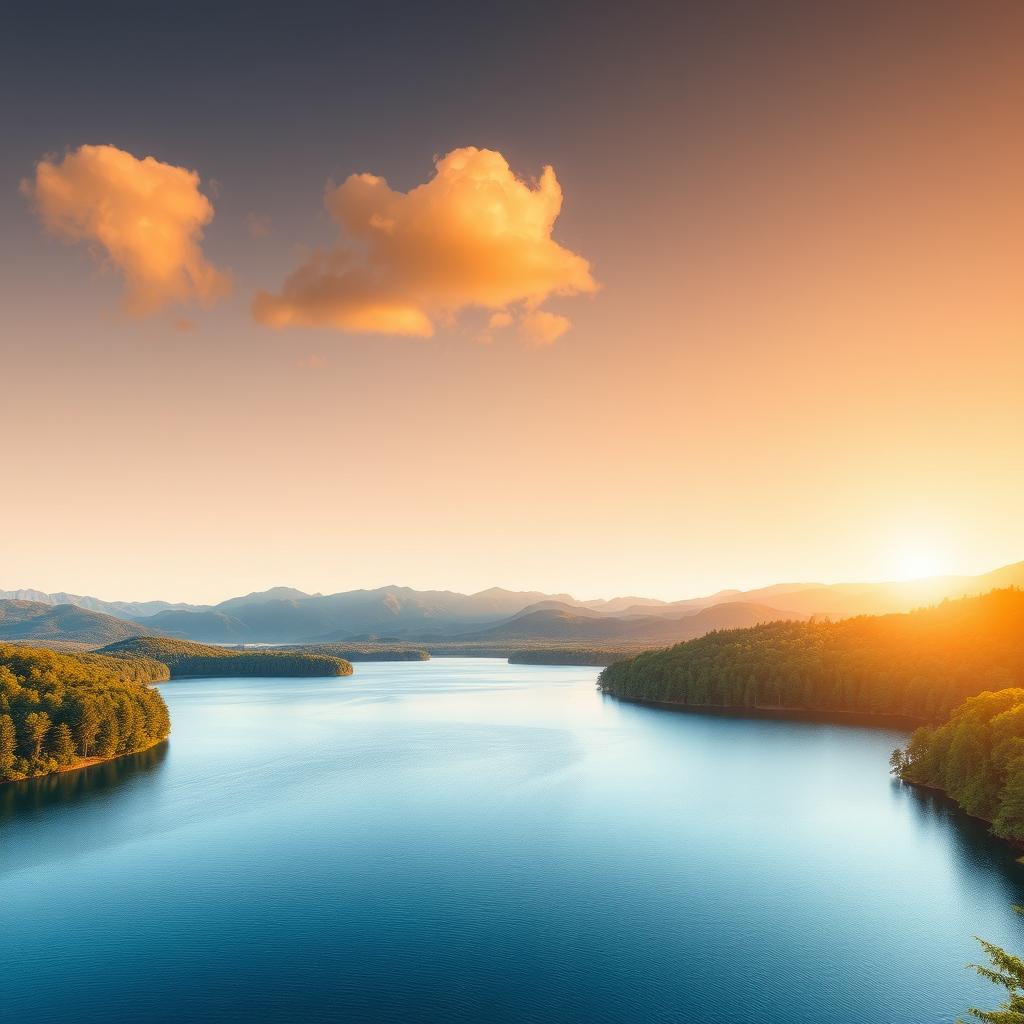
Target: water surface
466,840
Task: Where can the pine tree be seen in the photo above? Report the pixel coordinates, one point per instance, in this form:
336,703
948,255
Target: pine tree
1009,822
62,745
88,727
1007,971
37,725
8,745
109,737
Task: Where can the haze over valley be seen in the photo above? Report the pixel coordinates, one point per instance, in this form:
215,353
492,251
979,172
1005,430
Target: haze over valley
283,615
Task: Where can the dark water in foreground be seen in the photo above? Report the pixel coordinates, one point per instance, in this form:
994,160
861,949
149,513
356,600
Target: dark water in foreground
473,841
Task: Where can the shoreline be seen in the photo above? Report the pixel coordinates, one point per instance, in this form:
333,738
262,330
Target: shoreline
857,719
1015,844
85,762
820,716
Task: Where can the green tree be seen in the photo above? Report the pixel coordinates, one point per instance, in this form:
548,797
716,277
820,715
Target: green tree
62,744
88,727
37,725
1009,822
8,745
918,665
977,757
109,737
50,703
1006,971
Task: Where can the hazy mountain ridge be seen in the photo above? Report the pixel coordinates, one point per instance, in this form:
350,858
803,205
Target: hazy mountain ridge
120,609
398,612
564,624
37,621
286,615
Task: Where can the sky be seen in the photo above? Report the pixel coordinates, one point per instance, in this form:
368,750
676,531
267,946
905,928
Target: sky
291,296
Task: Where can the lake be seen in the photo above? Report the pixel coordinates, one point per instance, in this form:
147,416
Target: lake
466,840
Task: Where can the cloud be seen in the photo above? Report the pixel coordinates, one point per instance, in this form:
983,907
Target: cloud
475,235
503,318
541,328
536,327
148,216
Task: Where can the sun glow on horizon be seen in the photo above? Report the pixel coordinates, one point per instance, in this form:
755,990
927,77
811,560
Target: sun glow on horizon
918,559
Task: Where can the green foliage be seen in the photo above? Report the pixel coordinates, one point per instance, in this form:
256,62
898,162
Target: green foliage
62,745
977,757
566,656
8,745
373,651
523,652
537,652
1006,971
34,727
918,665
53,706
186,659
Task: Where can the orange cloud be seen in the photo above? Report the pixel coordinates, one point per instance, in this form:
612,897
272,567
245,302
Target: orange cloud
541,328
475,235
148,216
503,318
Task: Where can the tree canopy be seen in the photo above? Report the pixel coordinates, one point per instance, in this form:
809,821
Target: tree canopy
977,758
1007,971
918,665
184,658
59,709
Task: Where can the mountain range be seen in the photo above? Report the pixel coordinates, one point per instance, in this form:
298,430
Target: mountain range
283,615
39,622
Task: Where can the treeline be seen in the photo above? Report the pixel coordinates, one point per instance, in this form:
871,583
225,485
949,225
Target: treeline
977,758
59,709
379,651
919,665
184,658
596,656
536,650
517,652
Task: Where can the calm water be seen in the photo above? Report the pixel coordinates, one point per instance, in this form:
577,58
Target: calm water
473,841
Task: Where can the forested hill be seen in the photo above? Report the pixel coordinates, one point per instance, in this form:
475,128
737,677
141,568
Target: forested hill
59,710
977,758
919,665
36,622
184,658
568,624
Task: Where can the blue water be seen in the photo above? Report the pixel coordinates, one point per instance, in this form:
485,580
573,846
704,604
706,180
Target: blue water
473,841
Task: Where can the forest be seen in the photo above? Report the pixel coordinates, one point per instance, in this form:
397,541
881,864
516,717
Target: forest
568,655
523,652
369,651
57,710
917,665
976,757
186,659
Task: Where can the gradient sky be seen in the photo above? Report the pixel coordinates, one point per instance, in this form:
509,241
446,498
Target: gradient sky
805,360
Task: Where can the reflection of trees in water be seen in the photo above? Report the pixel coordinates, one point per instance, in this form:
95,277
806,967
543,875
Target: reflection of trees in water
70,787
973,846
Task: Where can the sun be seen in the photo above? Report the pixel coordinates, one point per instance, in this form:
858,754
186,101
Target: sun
917,559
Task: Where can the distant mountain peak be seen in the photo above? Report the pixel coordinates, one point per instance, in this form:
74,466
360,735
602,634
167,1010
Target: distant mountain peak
288,615
258,596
